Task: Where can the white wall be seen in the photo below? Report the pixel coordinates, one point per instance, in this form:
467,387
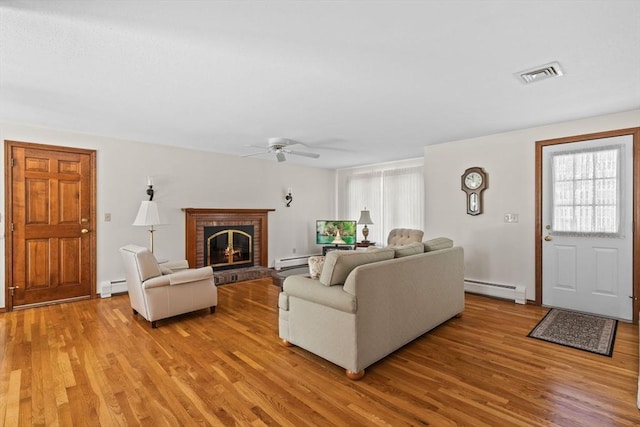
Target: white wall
186,178
495,251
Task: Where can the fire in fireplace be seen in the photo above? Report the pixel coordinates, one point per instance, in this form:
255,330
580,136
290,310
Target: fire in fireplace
228,246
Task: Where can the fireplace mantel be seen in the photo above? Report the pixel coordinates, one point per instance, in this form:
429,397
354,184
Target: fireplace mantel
198,218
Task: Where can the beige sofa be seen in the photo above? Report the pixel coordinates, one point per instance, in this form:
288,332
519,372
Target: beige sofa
366,305
158,291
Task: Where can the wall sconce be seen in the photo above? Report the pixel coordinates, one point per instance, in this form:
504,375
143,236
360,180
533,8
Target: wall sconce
150,187
148,215
288,197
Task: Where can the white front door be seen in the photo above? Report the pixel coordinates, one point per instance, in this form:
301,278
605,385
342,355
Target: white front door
587,248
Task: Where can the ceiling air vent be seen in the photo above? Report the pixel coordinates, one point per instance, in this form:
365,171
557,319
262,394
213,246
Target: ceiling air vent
542,72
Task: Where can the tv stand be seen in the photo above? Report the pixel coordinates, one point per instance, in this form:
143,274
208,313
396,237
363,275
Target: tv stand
326,249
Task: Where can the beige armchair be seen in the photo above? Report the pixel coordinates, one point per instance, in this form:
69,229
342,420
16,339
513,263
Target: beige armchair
403,236
157,291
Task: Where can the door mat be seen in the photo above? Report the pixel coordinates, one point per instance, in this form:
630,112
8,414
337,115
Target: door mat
586,332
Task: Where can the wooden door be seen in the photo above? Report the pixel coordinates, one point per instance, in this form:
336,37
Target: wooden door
50,224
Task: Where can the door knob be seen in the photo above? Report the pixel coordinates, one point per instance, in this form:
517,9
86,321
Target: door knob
84,231
548,238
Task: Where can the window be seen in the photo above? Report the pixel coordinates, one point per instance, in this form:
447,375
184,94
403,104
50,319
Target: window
394,193
586,192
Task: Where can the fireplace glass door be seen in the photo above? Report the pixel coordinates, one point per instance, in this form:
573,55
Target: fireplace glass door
229,247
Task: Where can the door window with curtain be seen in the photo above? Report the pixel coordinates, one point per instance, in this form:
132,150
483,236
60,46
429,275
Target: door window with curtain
587,192
394,194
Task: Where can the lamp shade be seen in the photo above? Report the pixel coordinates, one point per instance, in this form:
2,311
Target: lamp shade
147,214
365,217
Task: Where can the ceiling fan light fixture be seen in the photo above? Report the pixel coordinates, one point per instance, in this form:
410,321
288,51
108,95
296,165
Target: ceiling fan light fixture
542,72
279,147
278,142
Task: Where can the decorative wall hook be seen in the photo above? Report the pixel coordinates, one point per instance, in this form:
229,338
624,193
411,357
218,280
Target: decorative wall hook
150,188
288,198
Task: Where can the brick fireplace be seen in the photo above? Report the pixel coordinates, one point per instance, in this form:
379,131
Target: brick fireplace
199,221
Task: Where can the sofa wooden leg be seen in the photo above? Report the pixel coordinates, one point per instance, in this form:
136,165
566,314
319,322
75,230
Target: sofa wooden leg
134,311
154,324
354,376
212,309
285,343
459,315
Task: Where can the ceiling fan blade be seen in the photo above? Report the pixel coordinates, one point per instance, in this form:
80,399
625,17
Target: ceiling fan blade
280,156
291,142
305,154
254,154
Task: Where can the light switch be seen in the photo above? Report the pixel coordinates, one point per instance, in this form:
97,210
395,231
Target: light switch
510,217
107,217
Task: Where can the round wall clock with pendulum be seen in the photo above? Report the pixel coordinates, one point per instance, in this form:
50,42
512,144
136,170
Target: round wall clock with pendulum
474,182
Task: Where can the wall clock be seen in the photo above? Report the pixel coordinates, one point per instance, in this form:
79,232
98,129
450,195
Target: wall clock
474,182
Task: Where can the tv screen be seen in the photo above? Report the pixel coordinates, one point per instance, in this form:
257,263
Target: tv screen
326,231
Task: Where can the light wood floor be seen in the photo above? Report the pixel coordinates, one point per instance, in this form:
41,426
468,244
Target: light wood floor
93,363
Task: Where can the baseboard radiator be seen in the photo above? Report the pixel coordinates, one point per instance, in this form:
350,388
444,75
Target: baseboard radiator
109,287
297,261
510,292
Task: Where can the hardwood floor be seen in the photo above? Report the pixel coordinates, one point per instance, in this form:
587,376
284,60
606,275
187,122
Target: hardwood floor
92,363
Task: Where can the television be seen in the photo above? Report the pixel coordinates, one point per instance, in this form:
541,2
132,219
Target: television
326,231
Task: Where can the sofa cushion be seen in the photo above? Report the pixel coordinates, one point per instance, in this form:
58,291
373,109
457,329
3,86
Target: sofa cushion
315,266
338,264
437,244
409,249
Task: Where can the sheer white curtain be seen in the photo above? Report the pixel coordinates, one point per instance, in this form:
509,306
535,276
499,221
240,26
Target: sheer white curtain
394,193
403,199
586,192
361,191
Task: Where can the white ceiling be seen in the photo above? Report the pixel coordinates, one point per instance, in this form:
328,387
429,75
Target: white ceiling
367,81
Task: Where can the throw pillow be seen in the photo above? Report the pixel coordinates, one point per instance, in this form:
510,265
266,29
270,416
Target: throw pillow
338,264
315,266
409,249
437,244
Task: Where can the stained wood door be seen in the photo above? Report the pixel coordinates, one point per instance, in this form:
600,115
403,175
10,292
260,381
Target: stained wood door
51,218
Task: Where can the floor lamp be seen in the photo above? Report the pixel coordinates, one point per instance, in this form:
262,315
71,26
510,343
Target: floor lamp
148,216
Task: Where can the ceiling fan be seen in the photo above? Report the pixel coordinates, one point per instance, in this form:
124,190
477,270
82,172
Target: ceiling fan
280,146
